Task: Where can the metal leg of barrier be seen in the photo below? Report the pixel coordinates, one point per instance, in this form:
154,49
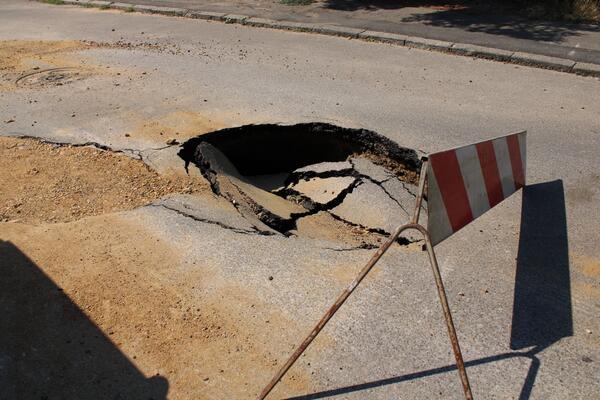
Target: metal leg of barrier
332,310
460,364
346,293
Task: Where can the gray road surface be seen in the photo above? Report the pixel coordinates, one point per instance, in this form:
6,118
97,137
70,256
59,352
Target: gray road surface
578,42
391,333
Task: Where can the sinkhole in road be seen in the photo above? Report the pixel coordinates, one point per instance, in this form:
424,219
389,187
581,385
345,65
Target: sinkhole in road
308,177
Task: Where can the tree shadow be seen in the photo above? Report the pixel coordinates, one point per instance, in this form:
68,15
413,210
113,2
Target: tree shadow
353,5
542,312
49,348
502,25
483,17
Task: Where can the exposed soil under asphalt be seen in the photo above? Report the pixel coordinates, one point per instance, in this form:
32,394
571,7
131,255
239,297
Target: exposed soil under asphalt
179,125
106,311
27,59
43,182
237,161
95,292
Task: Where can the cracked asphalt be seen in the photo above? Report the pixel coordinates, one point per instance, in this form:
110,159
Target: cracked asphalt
184,298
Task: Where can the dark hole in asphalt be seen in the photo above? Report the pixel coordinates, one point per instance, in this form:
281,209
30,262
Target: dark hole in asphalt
269,148
281,173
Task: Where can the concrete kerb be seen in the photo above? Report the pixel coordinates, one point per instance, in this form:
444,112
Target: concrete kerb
99,3
180,12
587,69
75,2
261,22
428,44
546,62
480,51
235,18
335,30
528,59
84,3
383,37
122,6
283,25
207,15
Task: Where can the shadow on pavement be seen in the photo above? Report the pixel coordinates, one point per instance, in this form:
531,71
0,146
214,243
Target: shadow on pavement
49,349
525,391
504,25
542,299
353,5
488,17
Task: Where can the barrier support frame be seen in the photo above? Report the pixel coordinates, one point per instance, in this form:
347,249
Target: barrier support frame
414,224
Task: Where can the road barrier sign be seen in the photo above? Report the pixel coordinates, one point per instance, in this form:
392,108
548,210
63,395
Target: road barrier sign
461,184
467,181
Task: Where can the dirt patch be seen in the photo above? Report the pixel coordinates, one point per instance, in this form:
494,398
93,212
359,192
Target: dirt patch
113,312
589,290
18,55
27,58
49,183
590,267
323,226
179,125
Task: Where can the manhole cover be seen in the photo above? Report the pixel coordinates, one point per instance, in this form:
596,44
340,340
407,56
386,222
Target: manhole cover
308,177
50,77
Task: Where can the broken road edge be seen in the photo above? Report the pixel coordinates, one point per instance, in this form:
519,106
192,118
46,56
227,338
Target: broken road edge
469,50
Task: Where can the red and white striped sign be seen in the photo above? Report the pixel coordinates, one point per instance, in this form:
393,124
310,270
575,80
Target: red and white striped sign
465,182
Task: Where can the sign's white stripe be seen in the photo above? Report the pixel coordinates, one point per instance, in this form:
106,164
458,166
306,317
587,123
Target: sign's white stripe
523,147
470,169
504,166
438,223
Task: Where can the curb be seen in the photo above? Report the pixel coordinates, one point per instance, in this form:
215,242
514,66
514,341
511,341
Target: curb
461,49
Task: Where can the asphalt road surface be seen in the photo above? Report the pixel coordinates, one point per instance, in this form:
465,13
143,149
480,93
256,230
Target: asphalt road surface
206,307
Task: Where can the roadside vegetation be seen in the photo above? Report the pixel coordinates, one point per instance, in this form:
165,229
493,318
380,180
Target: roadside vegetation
566,10
570,10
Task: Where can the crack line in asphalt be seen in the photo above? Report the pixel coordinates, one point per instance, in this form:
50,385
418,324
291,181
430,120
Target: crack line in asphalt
255,231
380,184
137,153
97,145
364,246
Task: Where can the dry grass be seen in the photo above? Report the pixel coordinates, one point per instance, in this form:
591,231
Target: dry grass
569,10
586,10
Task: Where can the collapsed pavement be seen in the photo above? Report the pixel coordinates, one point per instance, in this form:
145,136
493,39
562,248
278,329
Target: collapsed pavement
199,298
277,175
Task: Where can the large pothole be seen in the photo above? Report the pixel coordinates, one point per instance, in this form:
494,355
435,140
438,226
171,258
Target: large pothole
311,177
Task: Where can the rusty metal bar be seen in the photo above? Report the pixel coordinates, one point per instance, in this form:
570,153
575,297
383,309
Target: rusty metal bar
460,364
332,310
421,192
346,293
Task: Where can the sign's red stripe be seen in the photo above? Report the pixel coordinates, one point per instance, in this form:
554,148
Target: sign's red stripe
491,175
515,160
452,187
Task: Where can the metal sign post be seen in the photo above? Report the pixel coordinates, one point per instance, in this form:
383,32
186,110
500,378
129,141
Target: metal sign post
462,184
414,224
